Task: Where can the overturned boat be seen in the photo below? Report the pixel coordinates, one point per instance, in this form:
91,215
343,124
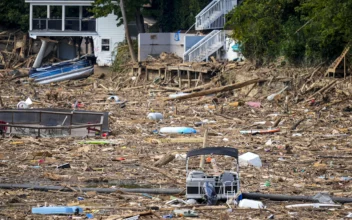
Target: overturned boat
68,70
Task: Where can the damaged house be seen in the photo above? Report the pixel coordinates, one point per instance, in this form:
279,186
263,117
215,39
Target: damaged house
68,29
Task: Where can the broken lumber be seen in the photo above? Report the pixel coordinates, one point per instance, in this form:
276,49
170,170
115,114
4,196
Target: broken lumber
220,89
162,172
164,160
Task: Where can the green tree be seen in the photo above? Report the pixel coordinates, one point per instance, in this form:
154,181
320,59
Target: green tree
173,15
14,14
308,31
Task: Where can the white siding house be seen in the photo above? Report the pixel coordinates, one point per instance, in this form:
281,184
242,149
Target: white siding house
61,22
109,35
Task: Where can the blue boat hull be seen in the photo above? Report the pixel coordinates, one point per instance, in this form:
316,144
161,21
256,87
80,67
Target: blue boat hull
68,70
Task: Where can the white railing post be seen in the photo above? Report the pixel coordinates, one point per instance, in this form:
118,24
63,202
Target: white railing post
63,18
30,17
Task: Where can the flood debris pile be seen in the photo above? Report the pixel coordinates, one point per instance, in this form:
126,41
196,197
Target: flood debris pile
295,145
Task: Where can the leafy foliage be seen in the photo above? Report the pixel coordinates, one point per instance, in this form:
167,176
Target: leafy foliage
174,15
305,31
123,56
14,14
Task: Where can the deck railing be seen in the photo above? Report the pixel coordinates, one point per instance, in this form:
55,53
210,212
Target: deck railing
71,24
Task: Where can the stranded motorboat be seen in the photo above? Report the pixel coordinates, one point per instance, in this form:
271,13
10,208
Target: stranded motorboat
71,69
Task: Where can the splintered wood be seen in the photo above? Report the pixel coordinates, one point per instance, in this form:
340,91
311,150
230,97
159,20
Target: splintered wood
310,153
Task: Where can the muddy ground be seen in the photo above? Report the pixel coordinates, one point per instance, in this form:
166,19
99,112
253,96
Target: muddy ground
311,158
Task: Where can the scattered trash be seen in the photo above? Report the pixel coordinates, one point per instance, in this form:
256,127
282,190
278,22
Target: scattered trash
297,135
323,198
136,217
254,104
204,122
274,95
209,107
178,130
114,98
248,203
268,143
176,202
168,216
180,156
24,104
269,131
191,202
64,166
155,116
348,109
250,158
185,213
178,95
58,210
349,215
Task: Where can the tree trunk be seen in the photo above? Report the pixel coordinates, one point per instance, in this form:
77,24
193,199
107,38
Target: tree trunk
139,21
128,37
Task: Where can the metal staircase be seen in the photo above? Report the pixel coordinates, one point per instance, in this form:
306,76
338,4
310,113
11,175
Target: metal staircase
213,16
210,18
210,44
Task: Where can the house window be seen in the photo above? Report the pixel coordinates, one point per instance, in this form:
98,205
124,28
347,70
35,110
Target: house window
105,44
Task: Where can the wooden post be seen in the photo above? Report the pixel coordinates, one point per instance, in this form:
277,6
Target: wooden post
344,67
159,75
146,73
179,77
165,74
202,158
189,79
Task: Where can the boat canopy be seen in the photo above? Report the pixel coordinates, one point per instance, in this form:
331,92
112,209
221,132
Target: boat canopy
228,151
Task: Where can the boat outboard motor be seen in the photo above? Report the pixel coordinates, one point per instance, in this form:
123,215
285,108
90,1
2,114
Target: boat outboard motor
210,194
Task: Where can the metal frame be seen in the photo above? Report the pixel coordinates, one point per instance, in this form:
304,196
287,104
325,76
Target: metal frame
60,127
221,194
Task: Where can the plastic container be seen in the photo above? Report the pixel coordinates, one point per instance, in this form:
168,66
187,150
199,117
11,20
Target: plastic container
250,158
57,210
155,116
247,203
177,95
178,130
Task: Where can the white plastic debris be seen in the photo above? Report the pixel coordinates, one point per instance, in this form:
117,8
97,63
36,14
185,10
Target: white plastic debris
115,98
268,143
250,158
180,156
248,203
349,215
24,104
155,116
29,101
297,135
272,96
177,95
191,202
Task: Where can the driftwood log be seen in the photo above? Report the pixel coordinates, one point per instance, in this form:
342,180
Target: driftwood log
164,160
220,89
